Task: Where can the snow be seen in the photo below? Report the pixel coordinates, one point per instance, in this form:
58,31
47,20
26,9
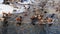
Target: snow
20,10
5,8
25,2
1,1
8,8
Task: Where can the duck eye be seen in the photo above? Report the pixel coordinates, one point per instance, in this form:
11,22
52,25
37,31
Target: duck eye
45,11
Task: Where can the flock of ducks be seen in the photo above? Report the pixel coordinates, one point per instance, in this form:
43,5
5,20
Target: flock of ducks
35,18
